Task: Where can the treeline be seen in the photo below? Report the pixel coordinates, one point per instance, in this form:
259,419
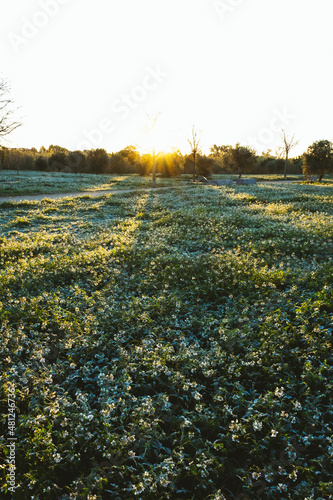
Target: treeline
240,160
221,160
316,161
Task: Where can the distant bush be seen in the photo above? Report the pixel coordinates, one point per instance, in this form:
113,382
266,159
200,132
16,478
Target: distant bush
205,165
58,161
124,161
77,162
170,165
17,159
188,164
145,165
271,165
118,164
98,161
41,163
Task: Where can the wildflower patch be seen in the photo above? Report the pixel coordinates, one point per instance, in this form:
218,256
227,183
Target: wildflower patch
165,345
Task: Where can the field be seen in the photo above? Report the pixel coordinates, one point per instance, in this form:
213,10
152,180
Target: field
33,182
170,344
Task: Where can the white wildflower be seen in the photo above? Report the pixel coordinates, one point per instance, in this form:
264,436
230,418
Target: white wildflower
257,425
279,392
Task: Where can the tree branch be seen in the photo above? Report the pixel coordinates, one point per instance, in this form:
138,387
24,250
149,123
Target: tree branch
7,122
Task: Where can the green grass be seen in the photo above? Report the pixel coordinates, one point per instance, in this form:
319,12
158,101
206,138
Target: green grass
31,182
260,177
170,344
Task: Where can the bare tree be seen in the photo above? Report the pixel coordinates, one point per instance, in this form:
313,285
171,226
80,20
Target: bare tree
288,145
194,143
7,121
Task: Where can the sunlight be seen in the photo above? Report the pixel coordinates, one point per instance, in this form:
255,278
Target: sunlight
157,137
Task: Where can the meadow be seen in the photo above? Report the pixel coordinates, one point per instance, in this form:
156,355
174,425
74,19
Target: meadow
170,344
34,182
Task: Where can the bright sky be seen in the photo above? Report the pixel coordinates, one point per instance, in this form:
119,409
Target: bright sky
86,73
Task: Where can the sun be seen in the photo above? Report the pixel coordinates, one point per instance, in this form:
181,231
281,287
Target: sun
157,138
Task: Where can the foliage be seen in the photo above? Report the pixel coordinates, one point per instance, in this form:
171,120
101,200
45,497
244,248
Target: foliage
124,161
98,161
170,344
170,165
318,160
16,159
188,164
218,151
119,164
58,161
266,163
41,163
131,154
56,149
205,165
77,162
269,165
239,159
145,166
130,161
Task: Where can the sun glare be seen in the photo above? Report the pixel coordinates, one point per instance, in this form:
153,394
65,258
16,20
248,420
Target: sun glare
158,138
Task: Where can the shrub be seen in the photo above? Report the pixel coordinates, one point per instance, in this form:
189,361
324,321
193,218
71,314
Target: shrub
58,161
41,163
98,160
205,165
170,165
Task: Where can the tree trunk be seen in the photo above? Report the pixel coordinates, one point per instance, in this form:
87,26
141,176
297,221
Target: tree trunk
240,175
286,166
154,170
320,177
194,167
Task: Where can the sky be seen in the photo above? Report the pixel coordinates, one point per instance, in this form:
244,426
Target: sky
94,74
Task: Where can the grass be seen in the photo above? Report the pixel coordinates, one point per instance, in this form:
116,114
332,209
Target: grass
260,177
32,182
169,344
